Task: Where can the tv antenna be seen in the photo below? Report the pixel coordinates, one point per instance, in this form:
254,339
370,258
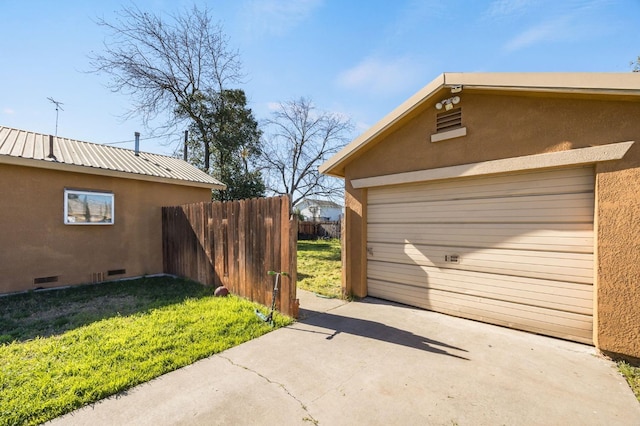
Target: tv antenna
58,107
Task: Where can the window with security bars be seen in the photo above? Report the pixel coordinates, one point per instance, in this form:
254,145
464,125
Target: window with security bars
449,120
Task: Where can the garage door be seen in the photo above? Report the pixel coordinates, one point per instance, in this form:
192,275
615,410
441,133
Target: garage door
514,250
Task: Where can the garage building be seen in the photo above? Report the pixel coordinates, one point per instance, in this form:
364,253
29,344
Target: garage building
511,199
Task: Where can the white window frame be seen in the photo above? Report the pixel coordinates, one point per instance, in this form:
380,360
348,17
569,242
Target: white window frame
109,199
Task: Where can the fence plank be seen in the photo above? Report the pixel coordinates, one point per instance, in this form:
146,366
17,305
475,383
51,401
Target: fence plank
288,248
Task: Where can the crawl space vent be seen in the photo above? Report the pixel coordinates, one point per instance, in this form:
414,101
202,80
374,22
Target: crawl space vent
44,280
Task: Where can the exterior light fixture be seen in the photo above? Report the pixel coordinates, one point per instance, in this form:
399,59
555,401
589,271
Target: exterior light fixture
448,103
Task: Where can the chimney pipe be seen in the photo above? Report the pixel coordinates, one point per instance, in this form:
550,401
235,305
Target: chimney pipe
137,150
51,147
186,136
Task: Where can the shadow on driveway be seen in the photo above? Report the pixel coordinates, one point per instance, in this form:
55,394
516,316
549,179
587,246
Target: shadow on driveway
373,330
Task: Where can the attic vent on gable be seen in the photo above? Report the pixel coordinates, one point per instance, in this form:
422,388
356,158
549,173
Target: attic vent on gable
449,120
449,125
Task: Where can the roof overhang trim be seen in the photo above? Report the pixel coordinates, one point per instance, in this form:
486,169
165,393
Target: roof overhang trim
52,165
573,157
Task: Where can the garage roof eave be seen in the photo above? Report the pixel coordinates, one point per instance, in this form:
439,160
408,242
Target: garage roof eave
583,83
335,165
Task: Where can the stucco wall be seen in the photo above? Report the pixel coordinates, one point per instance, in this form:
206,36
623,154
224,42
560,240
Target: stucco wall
36,243
505,126
618,253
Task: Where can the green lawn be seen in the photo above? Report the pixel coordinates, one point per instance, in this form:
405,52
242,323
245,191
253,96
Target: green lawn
66,348
632,374
319,267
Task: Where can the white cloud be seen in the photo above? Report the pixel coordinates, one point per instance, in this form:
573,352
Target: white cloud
568,21
273,106
8,111
277,17
499,9
547,31
380,76
361,127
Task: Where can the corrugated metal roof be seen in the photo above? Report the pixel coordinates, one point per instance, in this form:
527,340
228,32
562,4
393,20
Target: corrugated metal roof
32,149
319,203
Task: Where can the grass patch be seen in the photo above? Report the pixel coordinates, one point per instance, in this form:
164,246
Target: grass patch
632,374
320,267
66,348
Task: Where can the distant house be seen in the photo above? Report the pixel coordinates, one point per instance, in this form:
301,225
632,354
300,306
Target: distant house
319,210
75,212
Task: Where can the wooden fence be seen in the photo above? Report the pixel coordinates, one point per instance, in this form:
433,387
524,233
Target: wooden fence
315,230
234,244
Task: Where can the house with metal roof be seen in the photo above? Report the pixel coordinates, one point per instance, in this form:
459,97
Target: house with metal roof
508,198
75,212
319,210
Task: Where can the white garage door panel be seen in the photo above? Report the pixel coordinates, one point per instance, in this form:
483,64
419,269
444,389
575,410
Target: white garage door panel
539,320
524,244
523,317
570,297
535,208
560,182
576,267
553,237
402,293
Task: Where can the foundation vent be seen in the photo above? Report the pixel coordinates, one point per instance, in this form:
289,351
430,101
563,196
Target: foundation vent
449,120
116,272
44,280
97,277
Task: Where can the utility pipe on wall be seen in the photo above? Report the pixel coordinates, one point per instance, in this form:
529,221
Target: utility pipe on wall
137,149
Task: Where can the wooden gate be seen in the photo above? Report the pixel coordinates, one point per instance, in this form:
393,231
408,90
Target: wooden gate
235,244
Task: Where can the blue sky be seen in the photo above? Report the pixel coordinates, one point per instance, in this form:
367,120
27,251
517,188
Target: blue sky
357,58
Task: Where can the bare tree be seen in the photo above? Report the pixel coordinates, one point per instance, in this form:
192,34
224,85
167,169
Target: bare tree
298,139
165,65
636,65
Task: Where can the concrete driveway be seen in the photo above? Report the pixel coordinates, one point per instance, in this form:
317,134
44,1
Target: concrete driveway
377,363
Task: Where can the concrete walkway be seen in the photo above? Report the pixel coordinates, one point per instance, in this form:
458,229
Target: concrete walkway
377,363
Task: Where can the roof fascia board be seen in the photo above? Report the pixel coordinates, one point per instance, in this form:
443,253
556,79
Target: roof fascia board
558,90
562,82
573,157
52,165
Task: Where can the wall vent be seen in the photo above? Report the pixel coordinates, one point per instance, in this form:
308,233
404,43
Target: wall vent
44,280
116,272
97,277
449,120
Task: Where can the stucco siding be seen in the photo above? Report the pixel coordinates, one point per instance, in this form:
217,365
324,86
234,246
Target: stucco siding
36,243
618,255
354,246
500,126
